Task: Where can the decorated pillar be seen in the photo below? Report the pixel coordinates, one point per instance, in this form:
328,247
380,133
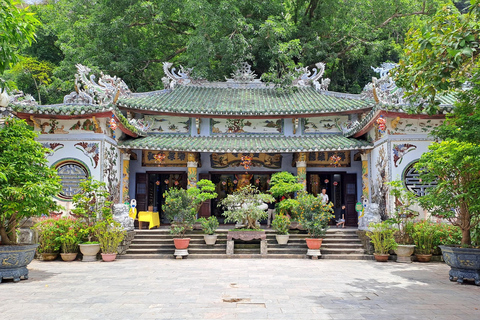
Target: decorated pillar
126,177
302,169
191,170
365,180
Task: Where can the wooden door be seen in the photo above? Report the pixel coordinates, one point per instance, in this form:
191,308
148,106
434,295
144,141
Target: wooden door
141,187
351,218
205,208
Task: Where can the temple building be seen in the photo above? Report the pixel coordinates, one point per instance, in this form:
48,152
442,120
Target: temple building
234,133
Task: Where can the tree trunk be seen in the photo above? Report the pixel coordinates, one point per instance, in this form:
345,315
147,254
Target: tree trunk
5,239
466,240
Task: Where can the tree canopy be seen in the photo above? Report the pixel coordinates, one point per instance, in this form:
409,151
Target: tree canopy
130,38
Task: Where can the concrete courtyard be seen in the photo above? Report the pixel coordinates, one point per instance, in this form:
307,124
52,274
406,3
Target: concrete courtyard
237,289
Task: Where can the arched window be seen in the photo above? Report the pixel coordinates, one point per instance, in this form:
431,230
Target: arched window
71,173
412,180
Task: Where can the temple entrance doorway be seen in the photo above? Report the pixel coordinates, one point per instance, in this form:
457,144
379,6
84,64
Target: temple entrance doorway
341,188
151,186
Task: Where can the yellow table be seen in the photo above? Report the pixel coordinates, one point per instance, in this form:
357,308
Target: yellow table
150,217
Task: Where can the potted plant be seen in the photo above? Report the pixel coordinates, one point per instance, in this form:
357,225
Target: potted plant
281,224
283,186
382,236
313,216
455,168
424,235
48,238
246,207
69,237
209,226
91,205
403,218
27,187
181,212
110,234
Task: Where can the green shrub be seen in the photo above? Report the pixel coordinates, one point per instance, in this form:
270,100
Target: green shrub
423,235
313,214
110,234
281,224
382,236
209,225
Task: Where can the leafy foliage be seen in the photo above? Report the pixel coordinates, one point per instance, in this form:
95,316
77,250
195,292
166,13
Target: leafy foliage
180,211
18,30
91,204
48,233
215,36
313,214
284,184
403,215
281,224
205,190
440,55
381,235
110,234
30,183
424,235
242,206
456,197
209,225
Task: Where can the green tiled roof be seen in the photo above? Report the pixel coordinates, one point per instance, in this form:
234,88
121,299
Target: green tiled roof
77,110
197,100
330,142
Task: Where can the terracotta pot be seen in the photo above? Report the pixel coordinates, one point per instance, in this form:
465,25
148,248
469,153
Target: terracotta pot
49,256
181,243
423,257
381,257
68,256
313,243
109,257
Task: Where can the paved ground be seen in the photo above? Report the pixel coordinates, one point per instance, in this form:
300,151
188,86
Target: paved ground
237,289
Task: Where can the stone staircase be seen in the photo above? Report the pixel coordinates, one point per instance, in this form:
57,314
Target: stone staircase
158,244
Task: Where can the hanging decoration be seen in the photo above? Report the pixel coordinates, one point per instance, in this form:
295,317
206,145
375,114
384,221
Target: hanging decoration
159,157
335,183
157,183
335,161
382,124
246,162
326,181
166,181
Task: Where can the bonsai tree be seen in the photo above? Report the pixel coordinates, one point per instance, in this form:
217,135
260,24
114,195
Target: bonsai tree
243,206
27,183
403,216
180,210
313,214
209,225
283,185
382,236
91,205
205,190
455,168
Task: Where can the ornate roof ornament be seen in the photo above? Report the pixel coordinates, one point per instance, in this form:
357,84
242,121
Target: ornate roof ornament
140,124
171,78
384,90
311,77
20,99
244,74
87,91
